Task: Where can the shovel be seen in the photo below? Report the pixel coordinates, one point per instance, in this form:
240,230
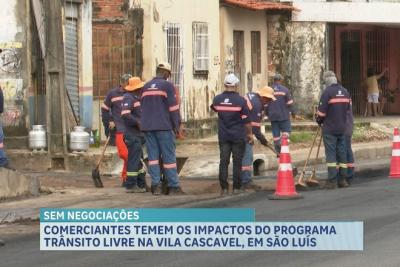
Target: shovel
301,185
312,181
95,172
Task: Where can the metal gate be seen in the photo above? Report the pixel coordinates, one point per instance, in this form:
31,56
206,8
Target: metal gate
113,55
174,48
351,68
378,57
71,57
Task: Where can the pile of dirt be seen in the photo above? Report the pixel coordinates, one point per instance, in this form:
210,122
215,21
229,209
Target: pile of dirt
363,134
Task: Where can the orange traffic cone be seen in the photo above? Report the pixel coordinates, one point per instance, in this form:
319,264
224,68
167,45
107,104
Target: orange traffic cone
395,162
285,188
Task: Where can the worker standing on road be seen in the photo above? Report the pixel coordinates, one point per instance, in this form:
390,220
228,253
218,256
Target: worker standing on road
131,114
332,114
3,157
278,112
234,130
111,117
257,102
160,123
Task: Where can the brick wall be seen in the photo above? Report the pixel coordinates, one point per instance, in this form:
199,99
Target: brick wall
109,9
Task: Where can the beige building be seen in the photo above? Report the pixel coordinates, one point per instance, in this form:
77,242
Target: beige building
244,45
186,34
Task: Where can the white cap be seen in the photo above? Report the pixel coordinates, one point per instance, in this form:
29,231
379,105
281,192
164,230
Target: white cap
165,66
231,80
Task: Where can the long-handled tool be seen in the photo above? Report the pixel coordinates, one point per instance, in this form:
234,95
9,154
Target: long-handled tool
95,172
312,180
300,183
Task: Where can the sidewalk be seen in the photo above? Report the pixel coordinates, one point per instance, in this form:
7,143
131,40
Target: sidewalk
206,166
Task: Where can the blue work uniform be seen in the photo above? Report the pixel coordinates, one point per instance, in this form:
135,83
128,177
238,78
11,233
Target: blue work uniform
333,112
256,112
278,113
131,114
159,122
3,157
349,151
233,114
111,111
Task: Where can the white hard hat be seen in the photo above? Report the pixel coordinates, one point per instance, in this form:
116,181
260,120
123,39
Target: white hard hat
231,80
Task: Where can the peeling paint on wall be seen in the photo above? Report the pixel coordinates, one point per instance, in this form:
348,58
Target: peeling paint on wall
13,100
297,51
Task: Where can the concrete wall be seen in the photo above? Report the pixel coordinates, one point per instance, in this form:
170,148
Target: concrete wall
238,19
15,66
86,66
198,91
355,11
297,50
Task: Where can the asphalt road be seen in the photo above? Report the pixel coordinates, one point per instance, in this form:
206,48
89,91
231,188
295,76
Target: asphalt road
376,202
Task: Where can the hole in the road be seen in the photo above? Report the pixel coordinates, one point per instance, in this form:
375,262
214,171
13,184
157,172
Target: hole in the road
258,167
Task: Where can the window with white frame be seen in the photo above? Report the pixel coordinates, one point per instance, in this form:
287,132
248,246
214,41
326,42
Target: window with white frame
201,54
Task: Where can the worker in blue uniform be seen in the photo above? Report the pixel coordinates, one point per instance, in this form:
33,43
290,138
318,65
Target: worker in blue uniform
160,123
234,131
257,102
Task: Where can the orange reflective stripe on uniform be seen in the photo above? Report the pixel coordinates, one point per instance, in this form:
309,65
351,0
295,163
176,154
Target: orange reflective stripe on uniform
255,124
249,105
153,162
118,98
223,108
246,168
137,104
155,93
338,100
125,112
169,166
174,108
104,106
280,93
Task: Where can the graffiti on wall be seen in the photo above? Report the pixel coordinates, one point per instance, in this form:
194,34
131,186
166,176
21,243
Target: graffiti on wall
13,101
10,59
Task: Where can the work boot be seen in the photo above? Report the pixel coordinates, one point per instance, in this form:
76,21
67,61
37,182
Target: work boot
343,183
251,186
224,192
156,190
175,191
237,191
330,184
135,189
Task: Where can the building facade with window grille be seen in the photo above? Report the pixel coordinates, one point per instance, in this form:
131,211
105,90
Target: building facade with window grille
347,37
186,34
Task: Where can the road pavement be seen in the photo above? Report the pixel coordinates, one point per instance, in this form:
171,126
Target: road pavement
374,201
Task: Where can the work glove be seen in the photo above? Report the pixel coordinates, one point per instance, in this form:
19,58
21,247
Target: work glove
319,120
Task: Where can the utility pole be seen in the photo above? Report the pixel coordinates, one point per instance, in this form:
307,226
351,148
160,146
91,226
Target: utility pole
55,92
